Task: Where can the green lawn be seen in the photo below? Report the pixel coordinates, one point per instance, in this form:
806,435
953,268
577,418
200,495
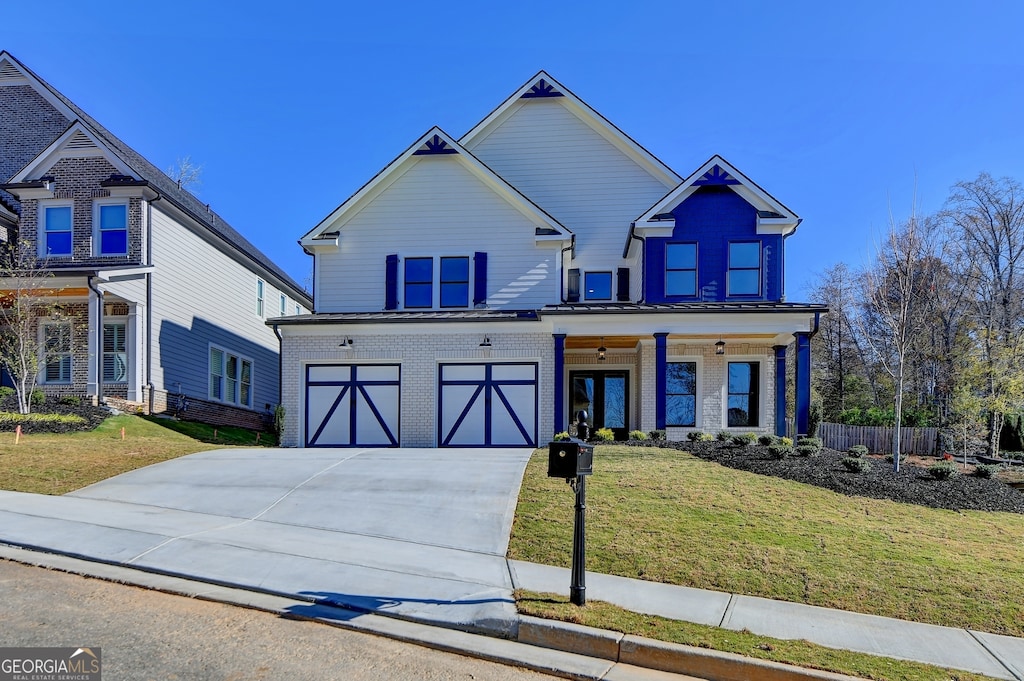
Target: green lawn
666,516
56,464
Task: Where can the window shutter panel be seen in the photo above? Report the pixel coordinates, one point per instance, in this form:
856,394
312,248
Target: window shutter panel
479,278
573,295
391,282
622,289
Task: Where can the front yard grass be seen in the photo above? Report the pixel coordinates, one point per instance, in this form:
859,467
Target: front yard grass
46,463
666,516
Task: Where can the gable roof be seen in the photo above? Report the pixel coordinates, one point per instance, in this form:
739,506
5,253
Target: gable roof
543,86
434,142
141,168
773,217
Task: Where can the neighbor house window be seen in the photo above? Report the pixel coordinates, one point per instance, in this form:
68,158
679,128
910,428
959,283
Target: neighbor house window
57,352
681,269
743,394
284,304
230,378
744,268
454,282
681,394
598,285
298,310
115,355
57,235
112,220
419,282
259,297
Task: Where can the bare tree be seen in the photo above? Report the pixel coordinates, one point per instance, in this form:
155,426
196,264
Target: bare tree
187,174
27,291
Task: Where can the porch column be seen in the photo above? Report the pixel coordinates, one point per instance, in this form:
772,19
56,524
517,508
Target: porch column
780,390
94,350
803,381
660,378
560,422
133,346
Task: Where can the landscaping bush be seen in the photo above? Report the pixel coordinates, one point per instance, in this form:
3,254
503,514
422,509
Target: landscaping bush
744,440
943,470
767,440
37,397
70,400
856,464
903,458
695,436
807,450
810,442
279,420
657,434
857,451
637,435
11,419
779,451
723,436
984,470
604,435
788,441
6,392
560,437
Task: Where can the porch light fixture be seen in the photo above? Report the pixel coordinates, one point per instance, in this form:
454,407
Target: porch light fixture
48,182
601,351
346,343
720,346
486,343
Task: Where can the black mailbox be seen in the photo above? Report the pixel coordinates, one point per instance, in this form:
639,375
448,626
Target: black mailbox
570,458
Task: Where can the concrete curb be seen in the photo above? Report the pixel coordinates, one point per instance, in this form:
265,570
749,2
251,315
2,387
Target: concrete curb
547,646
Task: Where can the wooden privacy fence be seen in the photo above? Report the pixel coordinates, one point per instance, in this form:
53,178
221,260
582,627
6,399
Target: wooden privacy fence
878,439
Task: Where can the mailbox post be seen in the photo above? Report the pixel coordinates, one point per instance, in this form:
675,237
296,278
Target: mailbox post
573,460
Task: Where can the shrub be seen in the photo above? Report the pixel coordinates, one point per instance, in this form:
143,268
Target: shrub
6,392
695,436
813,419
38,397
984,470
779,451
70,400
767,440
604,435
637,435
943,470
657,434
560,437
279,420
856,465
888,458
806,450
788,441
7,418
723,436
857,451
744,440
810,442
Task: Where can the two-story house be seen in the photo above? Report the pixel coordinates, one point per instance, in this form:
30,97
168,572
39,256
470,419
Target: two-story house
152,298
480,291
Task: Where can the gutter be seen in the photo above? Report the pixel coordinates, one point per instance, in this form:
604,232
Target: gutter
149,301
643,259
562,274
280,367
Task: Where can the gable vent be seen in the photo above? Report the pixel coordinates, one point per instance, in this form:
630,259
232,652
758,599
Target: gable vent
78,142
10,75
434,145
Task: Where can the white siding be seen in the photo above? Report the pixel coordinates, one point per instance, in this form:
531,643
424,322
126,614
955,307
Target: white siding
576,175
437,207
203,296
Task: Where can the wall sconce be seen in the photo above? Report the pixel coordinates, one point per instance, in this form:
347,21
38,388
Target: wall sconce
720,346
601,351
346,343
48,182
486,343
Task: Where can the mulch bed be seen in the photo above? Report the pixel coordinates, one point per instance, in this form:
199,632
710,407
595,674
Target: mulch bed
93,416
912,485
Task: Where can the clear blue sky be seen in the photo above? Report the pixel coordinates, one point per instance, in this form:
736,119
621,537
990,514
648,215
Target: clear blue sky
837,109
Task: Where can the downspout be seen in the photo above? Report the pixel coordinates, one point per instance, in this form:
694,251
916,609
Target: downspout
149,302
280,364
99,340
561,278
643,259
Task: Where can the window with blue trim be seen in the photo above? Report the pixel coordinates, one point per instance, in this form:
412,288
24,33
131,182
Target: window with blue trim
681,394
744,393
744,268
455,282
598,285
113,229
680,269
57,233
419,282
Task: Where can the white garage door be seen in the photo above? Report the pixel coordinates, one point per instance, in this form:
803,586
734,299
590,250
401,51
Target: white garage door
487,405
352,405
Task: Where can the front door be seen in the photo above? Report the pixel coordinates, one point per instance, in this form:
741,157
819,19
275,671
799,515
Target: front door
605,397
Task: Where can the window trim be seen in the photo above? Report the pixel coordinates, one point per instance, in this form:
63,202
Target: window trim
762,387
97,227
225,353
611,285
698,393
730,269
441,281
118,321
695,269
43,206
69,354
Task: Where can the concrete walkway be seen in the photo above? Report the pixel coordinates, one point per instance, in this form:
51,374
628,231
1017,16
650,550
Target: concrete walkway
420,534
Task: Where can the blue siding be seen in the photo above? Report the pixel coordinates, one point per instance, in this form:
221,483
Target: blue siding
712,217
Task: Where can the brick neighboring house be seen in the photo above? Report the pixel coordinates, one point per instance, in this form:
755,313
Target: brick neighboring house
154,296
479,291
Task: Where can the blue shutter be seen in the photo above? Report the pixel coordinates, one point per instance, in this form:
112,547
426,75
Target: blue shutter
573,295
622,288
391,283
479,278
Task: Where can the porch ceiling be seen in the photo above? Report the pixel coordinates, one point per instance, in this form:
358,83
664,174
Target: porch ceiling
619,342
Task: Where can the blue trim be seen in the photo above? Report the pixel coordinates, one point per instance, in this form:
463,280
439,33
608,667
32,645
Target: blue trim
390,282
560,382
803,381
479,278
487,387
435,145
780,390
660,380
352,389
540,90
330,413
716,176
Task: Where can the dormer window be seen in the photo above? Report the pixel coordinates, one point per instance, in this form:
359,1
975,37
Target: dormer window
419,282
111,221
744,268
681,269
455,282
56,238
598,285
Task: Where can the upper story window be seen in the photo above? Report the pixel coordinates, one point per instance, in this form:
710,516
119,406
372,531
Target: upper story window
744,268
419,282
680,269
57,352
744,394
111,221
598,285
259,297
455,282
230,378
56,237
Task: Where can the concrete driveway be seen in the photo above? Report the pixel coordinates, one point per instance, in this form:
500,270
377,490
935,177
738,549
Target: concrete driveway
419,533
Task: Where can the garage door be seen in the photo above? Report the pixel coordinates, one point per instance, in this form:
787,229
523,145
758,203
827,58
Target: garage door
487,405
352,405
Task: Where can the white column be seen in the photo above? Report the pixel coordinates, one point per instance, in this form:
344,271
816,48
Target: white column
94,342
135,346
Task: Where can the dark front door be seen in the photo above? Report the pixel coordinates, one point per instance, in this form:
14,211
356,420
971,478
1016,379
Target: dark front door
605,397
